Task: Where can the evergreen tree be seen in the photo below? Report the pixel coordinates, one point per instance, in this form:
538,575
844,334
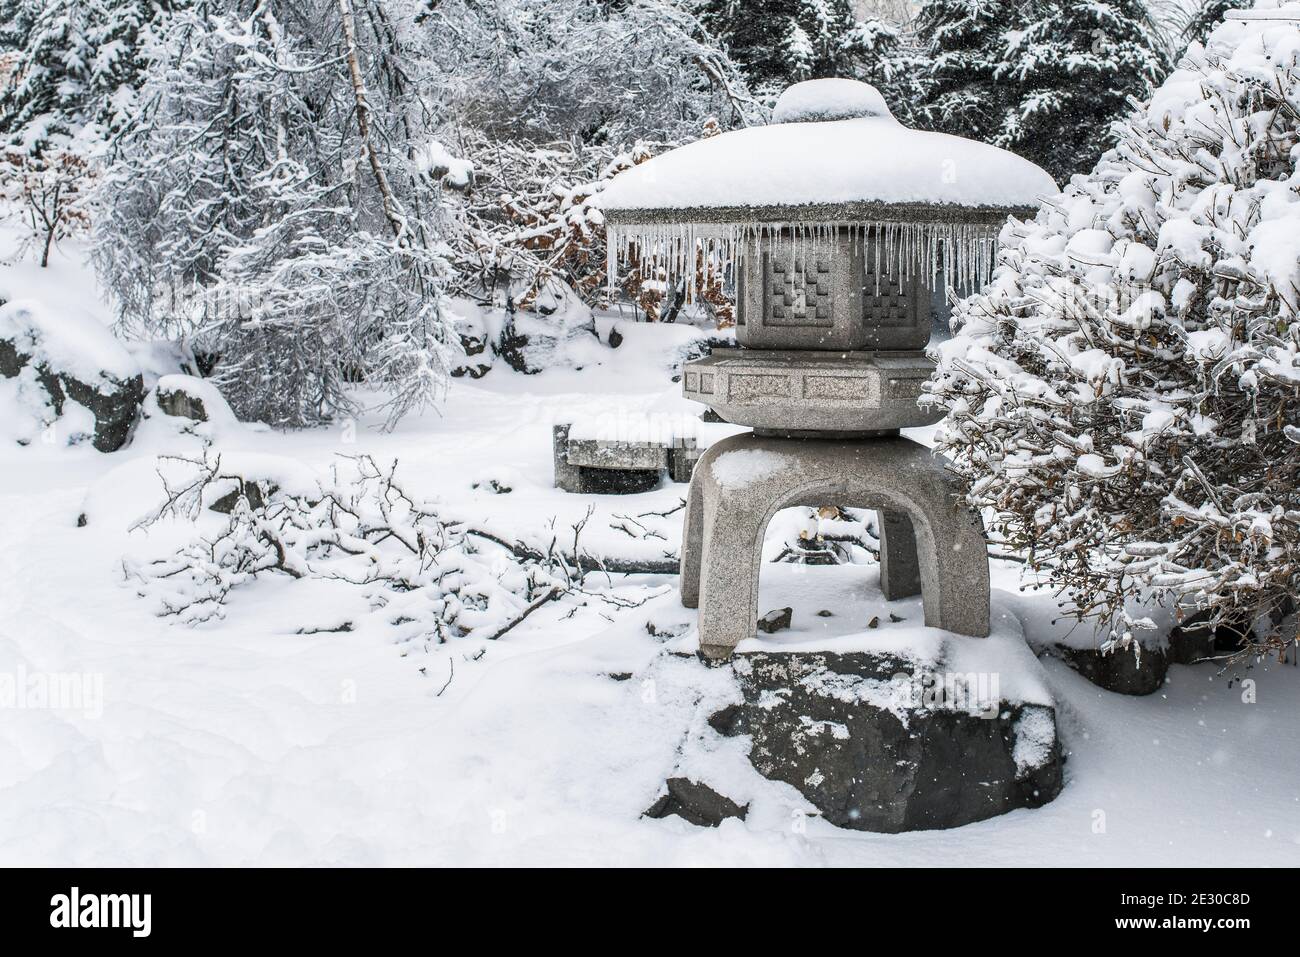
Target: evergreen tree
877,55
78,64
1075,64
964,42
1124,397
1207,15
68,85
779,42
45,99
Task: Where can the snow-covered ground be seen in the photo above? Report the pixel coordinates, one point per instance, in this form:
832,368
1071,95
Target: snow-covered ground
262,740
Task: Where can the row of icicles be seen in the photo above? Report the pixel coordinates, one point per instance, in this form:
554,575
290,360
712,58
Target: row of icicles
964,253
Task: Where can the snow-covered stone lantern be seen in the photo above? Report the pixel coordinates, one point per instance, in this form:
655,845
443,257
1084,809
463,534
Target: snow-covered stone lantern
839,223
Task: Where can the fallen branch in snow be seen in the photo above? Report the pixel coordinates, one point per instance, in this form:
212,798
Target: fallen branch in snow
1002,557
356,526
586,563
537,603
641,532
451,673
681,504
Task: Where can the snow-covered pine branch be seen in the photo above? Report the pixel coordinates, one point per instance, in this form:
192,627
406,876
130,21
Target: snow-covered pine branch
1044,79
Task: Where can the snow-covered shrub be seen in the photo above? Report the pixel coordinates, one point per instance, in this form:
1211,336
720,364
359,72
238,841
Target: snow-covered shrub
1124,397
533,233
584,71
534,237
425,576
47,193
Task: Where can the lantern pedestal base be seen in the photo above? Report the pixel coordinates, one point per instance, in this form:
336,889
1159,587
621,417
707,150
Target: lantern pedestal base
931,541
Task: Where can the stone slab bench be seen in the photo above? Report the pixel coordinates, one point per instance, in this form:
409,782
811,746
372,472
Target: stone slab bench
591,465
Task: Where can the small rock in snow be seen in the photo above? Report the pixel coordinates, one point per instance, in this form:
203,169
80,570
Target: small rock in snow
776,620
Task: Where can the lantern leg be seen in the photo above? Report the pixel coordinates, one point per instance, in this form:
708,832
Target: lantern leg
693,536
900,569
734,521
932,542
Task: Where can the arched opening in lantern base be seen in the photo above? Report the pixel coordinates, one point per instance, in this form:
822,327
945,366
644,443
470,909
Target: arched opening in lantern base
835,571
744,480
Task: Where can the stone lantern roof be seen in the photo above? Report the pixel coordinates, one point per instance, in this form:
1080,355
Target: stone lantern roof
833,158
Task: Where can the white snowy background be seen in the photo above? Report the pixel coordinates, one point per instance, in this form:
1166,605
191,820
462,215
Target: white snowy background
246,741
311,723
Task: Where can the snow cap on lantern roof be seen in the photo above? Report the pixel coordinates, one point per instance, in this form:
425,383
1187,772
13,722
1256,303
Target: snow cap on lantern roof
814,101
833,154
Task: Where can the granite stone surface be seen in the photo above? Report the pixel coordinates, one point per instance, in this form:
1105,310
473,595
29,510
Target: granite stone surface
837,293
807,392
743,480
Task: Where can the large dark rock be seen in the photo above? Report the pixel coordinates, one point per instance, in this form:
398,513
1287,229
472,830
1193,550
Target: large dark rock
778,619
1201,638
1191,642
1119,670
190,398
859,736
477,362
113,401
533,340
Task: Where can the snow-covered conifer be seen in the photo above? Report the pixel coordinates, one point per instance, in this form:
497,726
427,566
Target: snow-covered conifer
778,42
68,84
1124,397
78,63
1074,65
964,42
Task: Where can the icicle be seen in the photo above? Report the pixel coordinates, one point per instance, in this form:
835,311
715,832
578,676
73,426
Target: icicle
668,253
877,243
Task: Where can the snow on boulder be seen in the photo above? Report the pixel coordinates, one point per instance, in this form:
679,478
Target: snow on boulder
67,369
884,729
257,476
814,101
190,397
